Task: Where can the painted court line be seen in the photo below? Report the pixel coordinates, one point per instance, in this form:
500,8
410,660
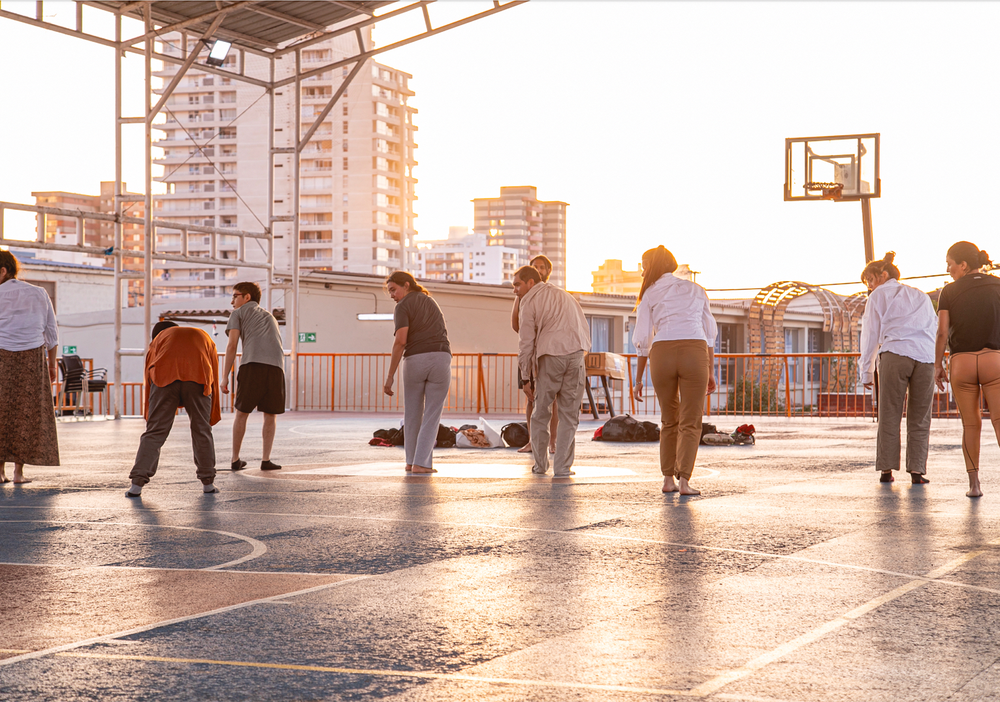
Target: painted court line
715,684
168,622
315,574
574,533
415,674
259,549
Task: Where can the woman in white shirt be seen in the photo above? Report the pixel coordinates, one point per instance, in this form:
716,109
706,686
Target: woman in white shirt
676,331
898,328
28,338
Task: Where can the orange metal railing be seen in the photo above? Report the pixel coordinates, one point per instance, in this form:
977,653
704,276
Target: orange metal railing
755,385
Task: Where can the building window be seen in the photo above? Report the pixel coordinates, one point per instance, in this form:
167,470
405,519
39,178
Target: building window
345,218
345,109
345,257
345,235
345,163
345,126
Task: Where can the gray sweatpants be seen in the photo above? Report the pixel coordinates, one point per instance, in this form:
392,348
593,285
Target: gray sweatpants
426,379
561,380
163,404
903,379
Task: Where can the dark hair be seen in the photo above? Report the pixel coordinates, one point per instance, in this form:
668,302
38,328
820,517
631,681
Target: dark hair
251,289
161,326
877,268
968,253
9,261
402,278
526,273
542,257
656,263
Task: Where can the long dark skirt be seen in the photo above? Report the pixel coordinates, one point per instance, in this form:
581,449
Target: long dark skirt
27,416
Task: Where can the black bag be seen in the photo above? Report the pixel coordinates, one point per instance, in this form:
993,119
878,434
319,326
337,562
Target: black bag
652,431
625,428
393,436
515,434
445,437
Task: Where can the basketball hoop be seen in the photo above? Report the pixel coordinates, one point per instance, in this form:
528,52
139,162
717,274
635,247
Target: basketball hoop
831,191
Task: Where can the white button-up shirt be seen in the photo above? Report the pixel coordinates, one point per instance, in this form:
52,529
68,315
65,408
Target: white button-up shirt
26,317
899,319
673,309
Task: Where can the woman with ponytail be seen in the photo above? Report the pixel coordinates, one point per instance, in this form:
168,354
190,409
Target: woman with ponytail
969,323
675,330
421,341
897,331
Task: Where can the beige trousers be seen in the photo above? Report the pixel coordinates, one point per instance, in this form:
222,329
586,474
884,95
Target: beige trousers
560,380
679,370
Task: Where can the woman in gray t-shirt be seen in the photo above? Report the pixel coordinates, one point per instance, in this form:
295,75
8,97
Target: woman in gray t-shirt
421,340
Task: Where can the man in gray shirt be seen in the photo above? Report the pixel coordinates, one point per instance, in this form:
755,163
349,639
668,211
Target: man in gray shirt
553,338
260,382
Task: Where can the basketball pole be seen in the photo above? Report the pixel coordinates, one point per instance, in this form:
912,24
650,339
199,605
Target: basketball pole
866,219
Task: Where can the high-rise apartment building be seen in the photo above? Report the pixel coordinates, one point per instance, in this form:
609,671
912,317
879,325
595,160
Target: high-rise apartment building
63,229
465,257
356,174
520,221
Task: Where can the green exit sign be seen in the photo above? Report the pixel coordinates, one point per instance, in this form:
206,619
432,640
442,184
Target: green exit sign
305,338
71,350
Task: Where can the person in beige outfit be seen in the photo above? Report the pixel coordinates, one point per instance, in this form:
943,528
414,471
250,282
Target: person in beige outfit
553,339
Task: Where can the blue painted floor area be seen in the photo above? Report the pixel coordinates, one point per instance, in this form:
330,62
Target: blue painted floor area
795,576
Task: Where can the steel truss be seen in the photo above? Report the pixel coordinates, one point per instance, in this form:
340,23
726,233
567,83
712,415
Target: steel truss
269,29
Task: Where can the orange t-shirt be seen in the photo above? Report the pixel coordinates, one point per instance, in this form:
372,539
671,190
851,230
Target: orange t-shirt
184,353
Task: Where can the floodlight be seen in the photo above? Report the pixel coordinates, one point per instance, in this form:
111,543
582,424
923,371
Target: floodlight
217,54
375,317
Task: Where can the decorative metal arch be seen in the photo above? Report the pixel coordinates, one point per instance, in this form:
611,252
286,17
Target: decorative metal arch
841,317
767,312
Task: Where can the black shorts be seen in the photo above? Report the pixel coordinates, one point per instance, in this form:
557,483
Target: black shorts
260,386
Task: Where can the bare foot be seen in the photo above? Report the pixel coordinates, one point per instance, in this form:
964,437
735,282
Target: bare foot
422,470
669,485
686,489
525,449
22,481
409,468
975,490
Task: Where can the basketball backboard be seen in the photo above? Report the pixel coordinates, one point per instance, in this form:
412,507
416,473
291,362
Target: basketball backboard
832,167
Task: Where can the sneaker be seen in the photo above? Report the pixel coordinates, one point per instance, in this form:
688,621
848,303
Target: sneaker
564,475
132,494
918,479
213,491
239,465
886,478
267,465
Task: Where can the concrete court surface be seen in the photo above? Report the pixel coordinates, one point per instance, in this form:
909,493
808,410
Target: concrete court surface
796,576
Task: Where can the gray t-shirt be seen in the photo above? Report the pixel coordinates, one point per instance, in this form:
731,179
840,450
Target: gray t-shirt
259,334
427,330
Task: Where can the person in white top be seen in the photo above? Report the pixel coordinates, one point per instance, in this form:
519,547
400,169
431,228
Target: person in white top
675,330
898,329
28,342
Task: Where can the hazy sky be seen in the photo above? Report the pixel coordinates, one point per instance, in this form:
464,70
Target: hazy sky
659,122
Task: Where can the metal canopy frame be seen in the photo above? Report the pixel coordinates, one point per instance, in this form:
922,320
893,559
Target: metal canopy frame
270,29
